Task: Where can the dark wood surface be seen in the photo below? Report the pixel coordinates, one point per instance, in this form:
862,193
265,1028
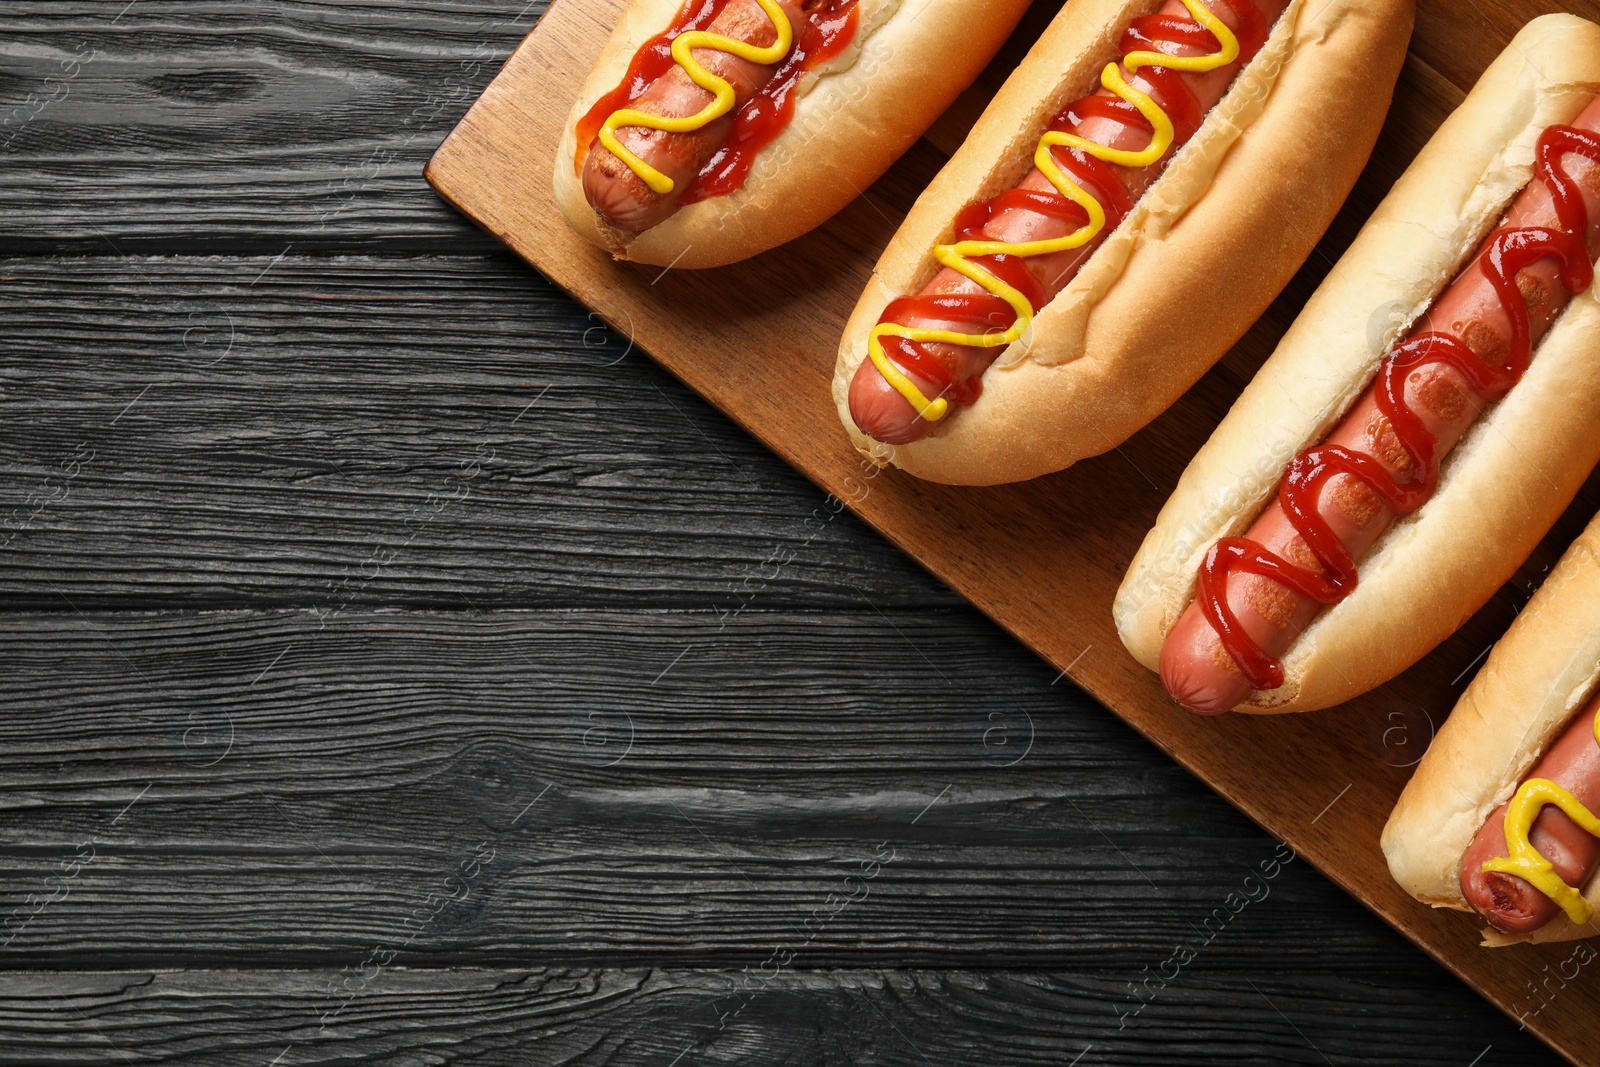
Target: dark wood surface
1041,558
398,667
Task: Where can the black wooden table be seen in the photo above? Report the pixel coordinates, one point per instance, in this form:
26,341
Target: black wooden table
399,668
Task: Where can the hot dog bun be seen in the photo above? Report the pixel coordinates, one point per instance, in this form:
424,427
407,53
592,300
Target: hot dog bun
856,114
1540,674
1236,212
1502,486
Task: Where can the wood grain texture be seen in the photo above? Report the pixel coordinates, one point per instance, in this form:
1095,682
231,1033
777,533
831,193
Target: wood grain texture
644,794
207,125
448,433
246,789
582,1017
391,339
1042,558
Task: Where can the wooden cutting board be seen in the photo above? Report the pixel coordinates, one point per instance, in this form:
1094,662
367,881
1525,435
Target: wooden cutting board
1044,558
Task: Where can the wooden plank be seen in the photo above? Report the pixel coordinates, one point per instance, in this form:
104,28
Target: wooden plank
621,1017
248,431
215,128
1042,558
651,785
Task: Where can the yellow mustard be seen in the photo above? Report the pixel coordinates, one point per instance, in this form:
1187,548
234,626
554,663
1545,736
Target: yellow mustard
958,256
1525,861
719,87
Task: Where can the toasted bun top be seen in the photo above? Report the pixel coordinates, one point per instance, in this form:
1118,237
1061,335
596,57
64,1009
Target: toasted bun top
855,115
1431,222
1540,674
1122,340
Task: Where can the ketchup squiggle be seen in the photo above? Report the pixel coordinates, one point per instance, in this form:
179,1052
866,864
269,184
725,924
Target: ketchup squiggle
1507,252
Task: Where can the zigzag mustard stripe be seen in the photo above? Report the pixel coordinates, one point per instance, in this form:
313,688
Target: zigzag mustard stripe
702,77
1527,862
958,257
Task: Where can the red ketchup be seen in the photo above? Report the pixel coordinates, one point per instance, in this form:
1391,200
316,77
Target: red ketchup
827,30
984,311
1507,251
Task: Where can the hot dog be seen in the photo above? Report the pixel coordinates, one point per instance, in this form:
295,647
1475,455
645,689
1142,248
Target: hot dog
1500,818
1044,298
714,130
1412,478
